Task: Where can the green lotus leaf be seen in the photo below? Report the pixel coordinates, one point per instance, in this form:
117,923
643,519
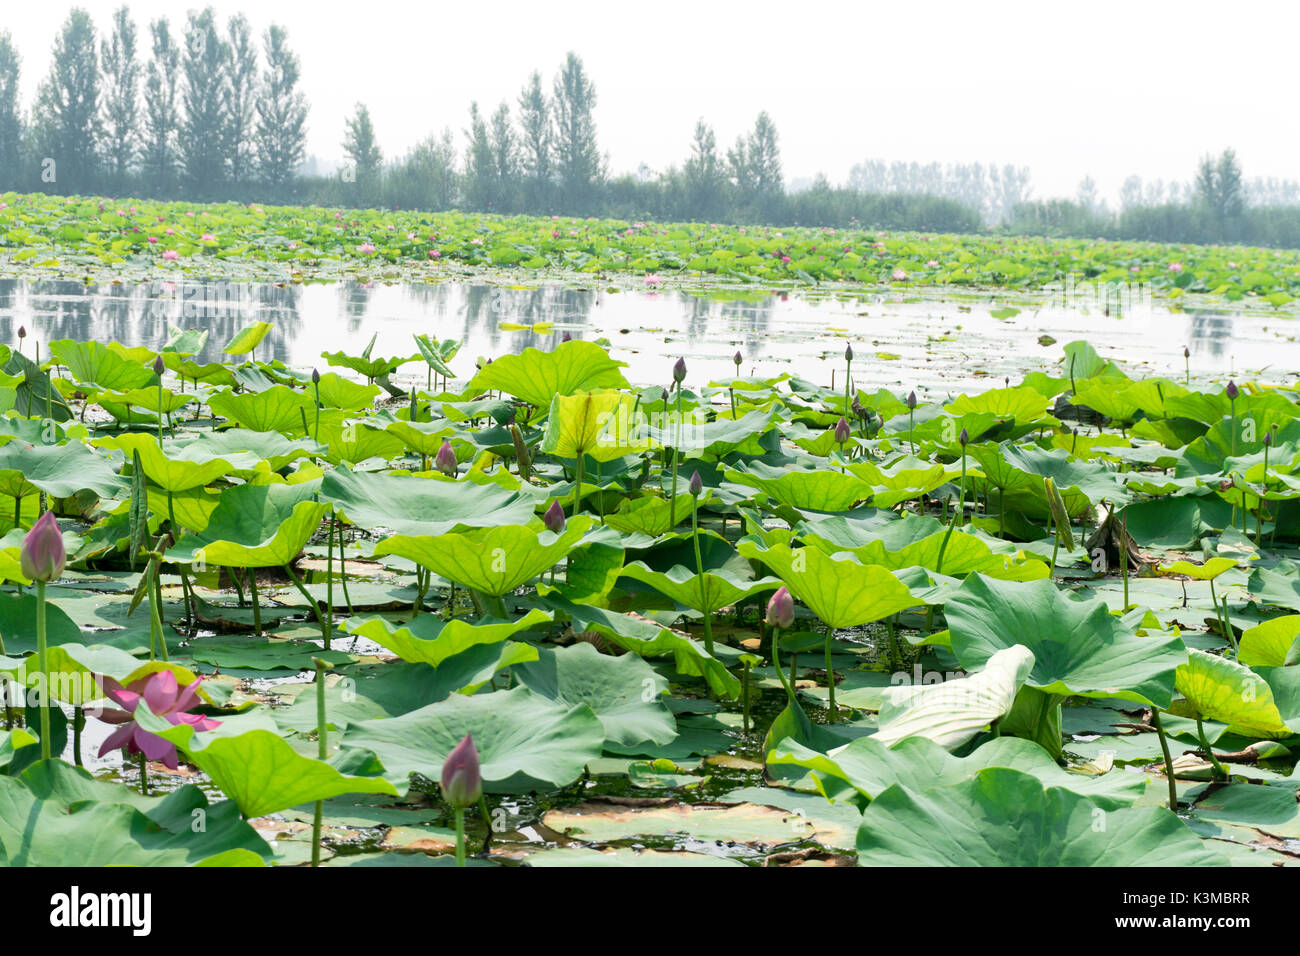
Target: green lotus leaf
422,438
93,363
255,526
339,392
75,669
536,376
624,692
428,639
255,767
247,339
524,741
178,467
905,480
185,341
594,423
18,623
493,560
438,354
57,815
356,442
1079,648
652,515
1021,404
838,589
806,490
1275,643
58,470
1231,693
151,399
235,444
1016,472
711,591
421,506
1004,817
952,712
1211,569
645,638
713,441
275,409
868,766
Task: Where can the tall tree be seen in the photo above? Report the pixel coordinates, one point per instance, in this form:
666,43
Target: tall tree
362,150
536,144
243,86
480,164
578,157
764,157
505,158
11,124
161,114
705,180
207,105
281,112
1228,174
121,96
68,103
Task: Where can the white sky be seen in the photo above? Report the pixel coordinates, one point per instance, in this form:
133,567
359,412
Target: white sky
1102,88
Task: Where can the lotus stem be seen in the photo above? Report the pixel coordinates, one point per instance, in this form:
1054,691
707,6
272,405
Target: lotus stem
699,569
830,675
744,692
1169,761
322,619
252,593
577,487
1123,557
41,664
322,751
144,775
776,663
343,566
677,442
1219,769
460,836
78,725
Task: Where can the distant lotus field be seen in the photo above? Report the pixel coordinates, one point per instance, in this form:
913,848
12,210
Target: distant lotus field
417,609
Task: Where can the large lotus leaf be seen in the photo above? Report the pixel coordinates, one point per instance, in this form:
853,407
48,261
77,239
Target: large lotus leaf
18,623
868,766
255,526
645,638
1004,817
1017,472
1078,646
839,590
917,541
1231,693
151,399
430,640
178,466
493,560
820,490
422,438
536,376
438,354
393,689
596,424
356,442
624,691
57,815
652,515
1218,451
58,470
717,439
421,506
904,480
274,449
524,741
247,338
709,591
255,767
1022,404
1275,643
95,363
952,712
275,409
335,391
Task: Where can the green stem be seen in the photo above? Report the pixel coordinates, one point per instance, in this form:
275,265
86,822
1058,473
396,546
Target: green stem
144,775
744,694
577,487
257,610
1123,558
830,675
460,836
776,663
44,702
1169,761
343,567
322,619
699,568
78,725
677,442
1209,752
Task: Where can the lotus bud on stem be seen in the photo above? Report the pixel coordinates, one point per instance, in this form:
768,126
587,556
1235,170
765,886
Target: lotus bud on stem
41,559
462,786
780,616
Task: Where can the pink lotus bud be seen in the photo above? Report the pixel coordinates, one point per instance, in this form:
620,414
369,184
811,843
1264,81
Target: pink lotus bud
42,557
841,431
736,358
696,487
964,437
554,518
848,353
462,783
566,337
1231,391
1187,353
679,371
158,366
22,332
446,460
315,376
780,608
911,399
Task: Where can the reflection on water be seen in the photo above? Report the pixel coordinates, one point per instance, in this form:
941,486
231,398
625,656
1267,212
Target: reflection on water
927,341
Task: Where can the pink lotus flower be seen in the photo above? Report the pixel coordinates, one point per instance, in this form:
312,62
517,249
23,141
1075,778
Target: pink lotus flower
41,557
165,699
785,259
169,231
932,263
899,275
153,240
1175,267
780,608
435,254
171,255
366,248
652,279
1135,269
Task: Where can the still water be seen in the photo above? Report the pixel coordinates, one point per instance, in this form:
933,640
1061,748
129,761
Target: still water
935,341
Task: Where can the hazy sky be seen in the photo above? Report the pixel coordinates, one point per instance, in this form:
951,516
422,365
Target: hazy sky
1101,88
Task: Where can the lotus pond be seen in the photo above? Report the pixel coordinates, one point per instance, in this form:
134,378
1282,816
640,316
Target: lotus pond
972,591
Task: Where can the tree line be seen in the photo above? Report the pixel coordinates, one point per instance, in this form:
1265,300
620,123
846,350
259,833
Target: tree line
210,111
